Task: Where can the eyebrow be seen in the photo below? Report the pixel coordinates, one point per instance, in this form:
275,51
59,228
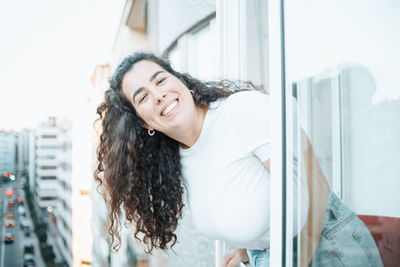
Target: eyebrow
138,91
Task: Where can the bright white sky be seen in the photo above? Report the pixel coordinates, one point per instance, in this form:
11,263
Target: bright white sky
48,52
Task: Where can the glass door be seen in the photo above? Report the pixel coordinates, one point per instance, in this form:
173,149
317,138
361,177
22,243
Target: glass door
342,106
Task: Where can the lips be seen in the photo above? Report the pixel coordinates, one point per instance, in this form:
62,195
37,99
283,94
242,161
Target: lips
169,108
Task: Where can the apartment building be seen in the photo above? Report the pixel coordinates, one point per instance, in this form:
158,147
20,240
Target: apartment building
101,251
47,147
23,161
62,214
52,181
8,151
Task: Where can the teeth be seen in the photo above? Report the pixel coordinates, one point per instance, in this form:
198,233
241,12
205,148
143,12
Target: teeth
169,108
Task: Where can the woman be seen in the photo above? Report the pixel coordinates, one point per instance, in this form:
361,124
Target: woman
163,130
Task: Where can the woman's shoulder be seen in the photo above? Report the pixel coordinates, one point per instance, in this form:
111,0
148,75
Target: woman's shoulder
244,107
247,97
245,100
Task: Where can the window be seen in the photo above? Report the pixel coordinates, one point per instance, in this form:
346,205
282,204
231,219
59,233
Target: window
83,192
341,66
45,136
48,198
47,157
48,167
242,53
84,262
48,147
48,177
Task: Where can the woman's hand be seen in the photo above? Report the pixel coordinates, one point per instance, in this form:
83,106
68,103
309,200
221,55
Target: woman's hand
233,257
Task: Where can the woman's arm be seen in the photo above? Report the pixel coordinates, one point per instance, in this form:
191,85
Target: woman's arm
267,165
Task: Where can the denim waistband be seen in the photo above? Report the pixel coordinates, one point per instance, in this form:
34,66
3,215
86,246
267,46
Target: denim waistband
337,215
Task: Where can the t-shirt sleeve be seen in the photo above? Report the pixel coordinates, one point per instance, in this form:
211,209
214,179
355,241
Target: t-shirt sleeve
263,152
251,115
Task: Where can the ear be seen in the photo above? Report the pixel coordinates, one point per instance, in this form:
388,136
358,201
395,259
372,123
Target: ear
144,125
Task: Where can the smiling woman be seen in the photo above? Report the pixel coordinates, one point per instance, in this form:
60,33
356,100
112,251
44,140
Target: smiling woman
149,114
163,101
163,131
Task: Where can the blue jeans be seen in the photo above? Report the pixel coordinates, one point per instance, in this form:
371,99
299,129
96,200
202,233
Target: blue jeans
345,241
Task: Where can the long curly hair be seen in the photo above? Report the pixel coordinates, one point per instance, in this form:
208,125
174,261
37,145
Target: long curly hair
142,173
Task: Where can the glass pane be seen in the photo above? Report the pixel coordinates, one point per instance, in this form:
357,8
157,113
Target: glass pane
255,42
341,63
242,55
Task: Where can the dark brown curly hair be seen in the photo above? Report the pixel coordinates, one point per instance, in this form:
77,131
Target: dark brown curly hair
142,173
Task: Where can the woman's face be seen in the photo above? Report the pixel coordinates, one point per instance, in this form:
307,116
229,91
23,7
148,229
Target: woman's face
160,99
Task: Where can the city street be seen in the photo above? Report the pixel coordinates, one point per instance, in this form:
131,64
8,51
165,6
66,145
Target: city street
12,253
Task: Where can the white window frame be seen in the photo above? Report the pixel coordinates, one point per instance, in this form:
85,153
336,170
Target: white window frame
231,13
276,78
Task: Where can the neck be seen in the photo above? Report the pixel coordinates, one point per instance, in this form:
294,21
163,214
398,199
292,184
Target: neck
189,137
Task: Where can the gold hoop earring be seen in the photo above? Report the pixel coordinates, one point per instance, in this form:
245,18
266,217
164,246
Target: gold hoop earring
151,132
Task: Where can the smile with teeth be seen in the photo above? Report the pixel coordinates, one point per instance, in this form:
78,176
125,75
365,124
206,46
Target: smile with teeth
169,108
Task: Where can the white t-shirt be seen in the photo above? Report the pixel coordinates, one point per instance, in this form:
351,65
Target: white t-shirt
228,187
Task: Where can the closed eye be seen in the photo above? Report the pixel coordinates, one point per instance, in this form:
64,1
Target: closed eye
143,97
161,80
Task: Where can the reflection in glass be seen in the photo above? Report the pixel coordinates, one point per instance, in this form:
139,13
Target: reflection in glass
341,67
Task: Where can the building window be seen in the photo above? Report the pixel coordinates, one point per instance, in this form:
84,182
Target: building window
48,147
47,136
48,198
88,263
48,177
84,192
47,157
48,167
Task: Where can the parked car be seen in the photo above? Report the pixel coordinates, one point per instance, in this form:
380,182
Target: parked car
27,231
26,228
21,211
29,260
25,224
8,238
28,247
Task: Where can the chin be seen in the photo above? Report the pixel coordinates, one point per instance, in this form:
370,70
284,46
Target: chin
176,124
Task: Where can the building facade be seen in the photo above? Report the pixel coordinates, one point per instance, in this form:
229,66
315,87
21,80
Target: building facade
61,217
101,251
47,149
8,151
23,153
52,182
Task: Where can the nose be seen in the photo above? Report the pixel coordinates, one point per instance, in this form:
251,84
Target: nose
159,96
